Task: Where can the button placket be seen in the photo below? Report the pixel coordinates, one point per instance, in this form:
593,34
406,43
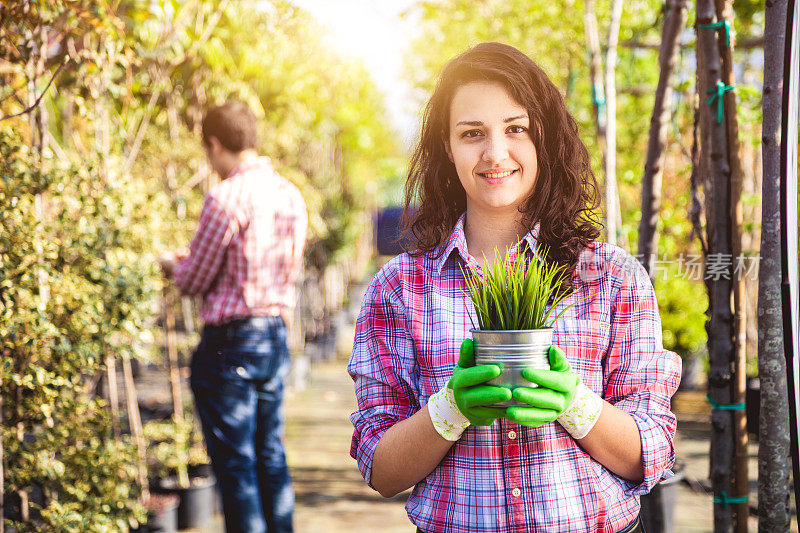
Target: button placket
514,462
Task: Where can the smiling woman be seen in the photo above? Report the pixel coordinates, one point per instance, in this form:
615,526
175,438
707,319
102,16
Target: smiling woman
492,84
489,145
500,171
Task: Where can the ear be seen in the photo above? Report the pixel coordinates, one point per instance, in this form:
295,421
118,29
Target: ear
214,146
447,149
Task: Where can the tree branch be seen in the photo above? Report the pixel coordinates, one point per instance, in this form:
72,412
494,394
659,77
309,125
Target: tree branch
161,76
39,99
751,42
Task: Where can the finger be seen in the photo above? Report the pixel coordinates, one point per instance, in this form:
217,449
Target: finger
483,421
484,395
530,416
558,359
560,381
467,377
466,357
541,398
488,412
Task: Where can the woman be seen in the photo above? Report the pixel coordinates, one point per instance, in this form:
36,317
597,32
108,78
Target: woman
499,156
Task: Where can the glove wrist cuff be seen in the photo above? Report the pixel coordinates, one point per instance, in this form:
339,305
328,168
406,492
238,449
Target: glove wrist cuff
582,414
448,421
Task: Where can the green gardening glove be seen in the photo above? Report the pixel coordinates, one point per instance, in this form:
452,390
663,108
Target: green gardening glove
553,395
471,392
465,397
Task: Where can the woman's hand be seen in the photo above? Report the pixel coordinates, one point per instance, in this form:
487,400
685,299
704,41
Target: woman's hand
471,393
412,448
560,396
466,398
553,396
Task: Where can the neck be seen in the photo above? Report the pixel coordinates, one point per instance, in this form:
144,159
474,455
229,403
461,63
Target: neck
237,159
487,231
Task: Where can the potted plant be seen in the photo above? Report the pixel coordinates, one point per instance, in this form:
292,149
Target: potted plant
176,451
514,302
162,514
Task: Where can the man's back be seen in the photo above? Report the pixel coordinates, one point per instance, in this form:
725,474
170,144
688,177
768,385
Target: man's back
246,255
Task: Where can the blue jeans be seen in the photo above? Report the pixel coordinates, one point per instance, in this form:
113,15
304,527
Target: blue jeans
237,381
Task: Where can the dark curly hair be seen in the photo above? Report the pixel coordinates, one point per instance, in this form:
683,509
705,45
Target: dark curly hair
565,196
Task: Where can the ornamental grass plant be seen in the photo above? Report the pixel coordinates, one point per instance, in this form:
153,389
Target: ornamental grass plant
514,294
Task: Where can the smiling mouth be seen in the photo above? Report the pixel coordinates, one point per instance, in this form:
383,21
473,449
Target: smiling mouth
497,175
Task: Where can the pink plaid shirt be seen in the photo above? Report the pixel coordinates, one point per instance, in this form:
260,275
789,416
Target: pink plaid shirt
507,477
246,254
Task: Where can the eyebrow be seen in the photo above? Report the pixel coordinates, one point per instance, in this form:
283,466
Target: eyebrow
479,123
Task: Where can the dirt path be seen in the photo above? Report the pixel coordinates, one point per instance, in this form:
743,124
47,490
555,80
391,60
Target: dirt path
330,492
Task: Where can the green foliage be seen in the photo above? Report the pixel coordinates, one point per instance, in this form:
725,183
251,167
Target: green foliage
326,131
683,303
59,312
108,171
173,447
514,293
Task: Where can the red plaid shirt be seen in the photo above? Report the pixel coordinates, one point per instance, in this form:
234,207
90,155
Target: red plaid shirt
507,477
246,254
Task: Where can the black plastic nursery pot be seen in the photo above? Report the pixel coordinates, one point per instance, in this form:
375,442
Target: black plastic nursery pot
162,514
197,502
659,505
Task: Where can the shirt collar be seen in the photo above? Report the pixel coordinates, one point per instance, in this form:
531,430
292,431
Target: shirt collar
458,242
246,166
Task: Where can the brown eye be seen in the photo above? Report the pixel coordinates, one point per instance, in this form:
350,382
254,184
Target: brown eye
516,129
471,134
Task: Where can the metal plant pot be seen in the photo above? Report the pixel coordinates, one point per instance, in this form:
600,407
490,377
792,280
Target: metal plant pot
513,350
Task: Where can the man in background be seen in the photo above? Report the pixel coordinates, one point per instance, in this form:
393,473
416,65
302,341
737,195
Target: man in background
244,261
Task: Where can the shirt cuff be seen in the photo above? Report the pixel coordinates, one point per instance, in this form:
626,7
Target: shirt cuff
363,447
658,456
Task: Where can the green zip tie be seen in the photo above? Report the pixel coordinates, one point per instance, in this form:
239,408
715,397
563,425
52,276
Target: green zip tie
717,25
725,406
598,96
719,96
724,499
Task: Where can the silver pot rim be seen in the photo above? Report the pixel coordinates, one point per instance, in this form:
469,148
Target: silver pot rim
475,330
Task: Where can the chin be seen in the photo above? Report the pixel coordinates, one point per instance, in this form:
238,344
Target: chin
501,204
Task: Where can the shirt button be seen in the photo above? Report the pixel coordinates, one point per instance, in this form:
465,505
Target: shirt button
512,434
516,493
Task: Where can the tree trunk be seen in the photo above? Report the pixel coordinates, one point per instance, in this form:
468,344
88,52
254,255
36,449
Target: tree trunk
720,327
113,392
595,70
135,423
724,11
774,460
674,23
612,198
174,375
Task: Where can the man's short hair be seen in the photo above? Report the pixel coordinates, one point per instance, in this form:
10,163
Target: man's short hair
233,124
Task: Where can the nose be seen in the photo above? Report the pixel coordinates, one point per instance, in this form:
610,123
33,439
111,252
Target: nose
495,149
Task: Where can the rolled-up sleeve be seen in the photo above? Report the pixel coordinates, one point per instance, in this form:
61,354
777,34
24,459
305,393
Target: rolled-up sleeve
195,273
381,366
641,376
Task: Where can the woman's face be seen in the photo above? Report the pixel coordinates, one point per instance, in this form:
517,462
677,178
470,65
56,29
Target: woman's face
490,147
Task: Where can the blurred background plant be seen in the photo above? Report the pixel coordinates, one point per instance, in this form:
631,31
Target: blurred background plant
106,171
